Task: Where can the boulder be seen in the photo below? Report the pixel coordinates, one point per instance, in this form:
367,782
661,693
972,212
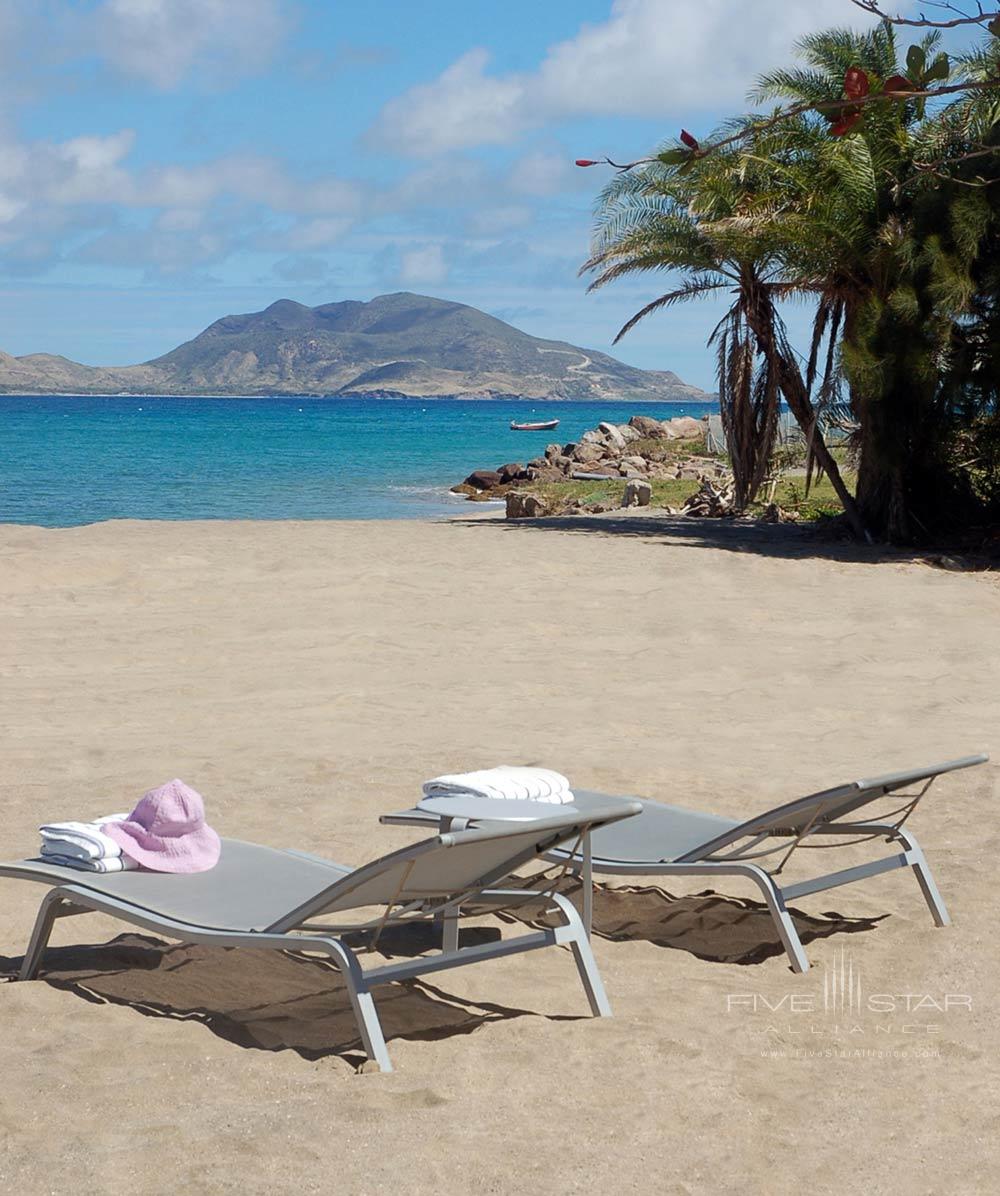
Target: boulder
637,494
612,436
628,433
585,453
552,451
645,425
525,506
511,472
482,479
592,437
636,464
686,427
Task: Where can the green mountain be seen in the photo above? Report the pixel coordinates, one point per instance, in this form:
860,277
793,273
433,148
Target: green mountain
399,344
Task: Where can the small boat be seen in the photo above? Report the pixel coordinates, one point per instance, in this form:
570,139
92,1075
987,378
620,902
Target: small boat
541,426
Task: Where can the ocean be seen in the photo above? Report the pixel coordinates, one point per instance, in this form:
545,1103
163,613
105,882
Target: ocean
69,461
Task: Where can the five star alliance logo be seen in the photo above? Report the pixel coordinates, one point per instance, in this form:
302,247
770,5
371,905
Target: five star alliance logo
847,1003
842,987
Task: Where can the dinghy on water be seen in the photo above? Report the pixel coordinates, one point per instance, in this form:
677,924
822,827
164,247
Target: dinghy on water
542,426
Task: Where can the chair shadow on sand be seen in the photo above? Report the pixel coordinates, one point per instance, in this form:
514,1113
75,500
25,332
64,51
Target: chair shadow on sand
263,1000
274,1001
708,925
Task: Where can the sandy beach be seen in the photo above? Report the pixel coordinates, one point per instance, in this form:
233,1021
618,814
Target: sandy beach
306,677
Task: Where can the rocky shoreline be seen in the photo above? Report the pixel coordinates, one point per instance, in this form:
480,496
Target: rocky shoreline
643,450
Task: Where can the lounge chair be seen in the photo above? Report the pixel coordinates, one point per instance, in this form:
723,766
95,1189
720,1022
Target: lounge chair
671,841
262,898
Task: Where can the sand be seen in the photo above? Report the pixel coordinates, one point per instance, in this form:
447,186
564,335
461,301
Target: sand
305,677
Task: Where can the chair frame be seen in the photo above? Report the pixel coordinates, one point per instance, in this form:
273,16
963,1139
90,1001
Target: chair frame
295,932
793,824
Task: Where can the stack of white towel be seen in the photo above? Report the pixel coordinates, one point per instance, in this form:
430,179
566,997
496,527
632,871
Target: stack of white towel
504,782
83,845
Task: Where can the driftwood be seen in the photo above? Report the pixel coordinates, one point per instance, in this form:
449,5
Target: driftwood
713,499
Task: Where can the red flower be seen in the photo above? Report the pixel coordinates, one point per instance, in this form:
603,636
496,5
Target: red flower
689,141
586,162
845,124
896,83
855,83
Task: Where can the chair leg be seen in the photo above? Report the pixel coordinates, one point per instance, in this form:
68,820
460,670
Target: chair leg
583,956
782,918
48,911
928,886
365,1013
449,930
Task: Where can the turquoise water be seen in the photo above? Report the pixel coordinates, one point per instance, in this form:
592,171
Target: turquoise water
67,461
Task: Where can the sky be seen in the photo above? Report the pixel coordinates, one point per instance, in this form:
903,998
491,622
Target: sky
166,162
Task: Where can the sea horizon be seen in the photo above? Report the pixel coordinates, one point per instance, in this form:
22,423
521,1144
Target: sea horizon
68,460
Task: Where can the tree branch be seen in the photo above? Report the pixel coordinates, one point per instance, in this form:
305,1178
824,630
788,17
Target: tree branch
981,17
784,114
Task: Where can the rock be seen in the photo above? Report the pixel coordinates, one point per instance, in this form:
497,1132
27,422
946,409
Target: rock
552,451
612,436
686,427
645,425
637,494
637,464
592,437
584,453
628,433
511,472
482,479
563,463
525,506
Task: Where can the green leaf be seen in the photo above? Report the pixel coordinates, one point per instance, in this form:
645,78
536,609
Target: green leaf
674,157
916,60
686,167
940,68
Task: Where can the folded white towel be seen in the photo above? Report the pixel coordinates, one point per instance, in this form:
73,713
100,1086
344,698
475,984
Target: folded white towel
85,839
78,851
120,863
505,782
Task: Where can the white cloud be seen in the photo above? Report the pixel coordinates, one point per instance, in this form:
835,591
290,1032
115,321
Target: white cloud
491,221
424,265
162,41
543,172
651,58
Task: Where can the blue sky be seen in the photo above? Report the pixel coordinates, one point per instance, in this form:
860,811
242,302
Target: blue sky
165,162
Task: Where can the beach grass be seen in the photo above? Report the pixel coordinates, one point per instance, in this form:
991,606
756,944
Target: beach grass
790,494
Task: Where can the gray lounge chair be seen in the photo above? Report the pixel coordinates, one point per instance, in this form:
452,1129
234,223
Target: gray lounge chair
262,898
671,841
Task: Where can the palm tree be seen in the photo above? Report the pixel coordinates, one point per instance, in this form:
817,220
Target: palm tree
698,224
852,224
873,242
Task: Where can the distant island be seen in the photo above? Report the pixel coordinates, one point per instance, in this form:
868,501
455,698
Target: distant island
399,345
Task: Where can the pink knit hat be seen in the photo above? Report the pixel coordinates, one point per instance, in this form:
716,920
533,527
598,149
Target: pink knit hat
166,832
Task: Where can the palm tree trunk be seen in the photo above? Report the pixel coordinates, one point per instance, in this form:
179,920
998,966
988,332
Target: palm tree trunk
793,388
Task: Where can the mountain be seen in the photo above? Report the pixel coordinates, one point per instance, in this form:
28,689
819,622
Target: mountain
400,344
